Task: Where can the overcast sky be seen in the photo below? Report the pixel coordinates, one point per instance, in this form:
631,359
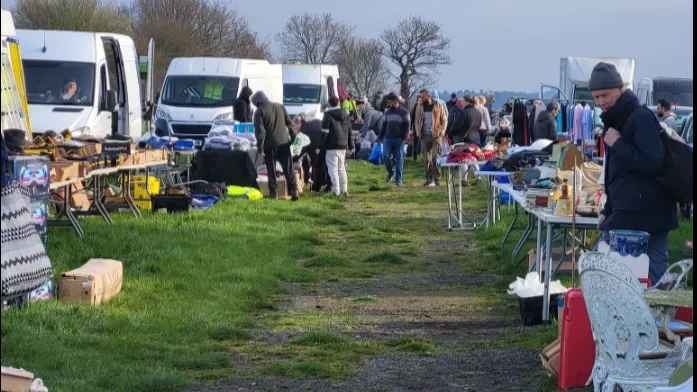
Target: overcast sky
515,44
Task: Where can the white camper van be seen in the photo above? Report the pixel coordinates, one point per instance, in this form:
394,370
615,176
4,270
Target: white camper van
185,111
307,88
82,81
677,91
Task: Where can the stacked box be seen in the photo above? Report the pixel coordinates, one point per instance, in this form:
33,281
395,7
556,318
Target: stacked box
33,173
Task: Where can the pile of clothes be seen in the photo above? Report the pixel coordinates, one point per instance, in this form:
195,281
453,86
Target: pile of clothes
224,138
471,153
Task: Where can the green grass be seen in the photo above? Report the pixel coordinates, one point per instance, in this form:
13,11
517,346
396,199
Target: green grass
198,287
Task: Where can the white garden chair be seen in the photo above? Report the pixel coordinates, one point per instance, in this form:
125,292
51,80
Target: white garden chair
623,327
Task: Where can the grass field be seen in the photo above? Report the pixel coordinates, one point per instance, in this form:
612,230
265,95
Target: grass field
218,295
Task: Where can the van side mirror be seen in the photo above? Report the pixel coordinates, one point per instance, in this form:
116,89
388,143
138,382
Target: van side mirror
157,97
110,101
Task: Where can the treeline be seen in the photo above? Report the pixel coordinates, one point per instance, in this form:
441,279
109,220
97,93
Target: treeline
406,55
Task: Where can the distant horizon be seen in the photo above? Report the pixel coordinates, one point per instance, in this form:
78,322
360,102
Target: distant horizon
508,50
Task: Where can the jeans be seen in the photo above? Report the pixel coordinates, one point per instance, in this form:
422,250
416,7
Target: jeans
283,156
393,156
336,165
657,252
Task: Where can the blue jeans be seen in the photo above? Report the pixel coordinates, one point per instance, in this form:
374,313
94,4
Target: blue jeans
657,252
393,156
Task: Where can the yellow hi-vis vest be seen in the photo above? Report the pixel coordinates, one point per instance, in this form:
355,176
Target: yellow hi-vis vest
214,90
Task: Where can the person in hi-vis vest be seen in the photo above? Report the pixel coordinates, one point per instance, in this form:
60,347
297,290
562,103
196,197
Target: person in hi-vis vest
214,89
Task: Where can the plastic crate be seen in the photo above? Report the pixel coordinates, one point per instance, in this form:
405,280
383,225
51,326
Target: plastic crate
243,128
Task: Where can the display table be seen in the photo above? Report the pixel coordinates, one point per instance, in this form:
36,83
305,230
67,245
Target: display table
228,167
492,208
454,188
665,304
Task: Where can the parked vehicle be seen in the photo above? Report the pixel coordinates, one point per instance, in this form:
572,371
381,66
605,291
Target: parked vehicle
677,91
10,48
307,88
681,112
200,90
575,74
82,80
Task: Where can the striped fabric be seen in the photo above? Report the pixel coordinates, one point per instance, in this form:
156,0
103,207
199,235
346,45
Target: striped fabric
25,265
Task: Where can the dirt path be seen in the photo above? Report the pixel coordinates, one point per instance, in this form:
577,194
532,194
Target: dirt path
444,311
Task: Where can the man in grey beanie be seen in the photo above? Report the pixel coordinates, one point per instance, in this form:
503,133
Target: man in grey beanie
634,158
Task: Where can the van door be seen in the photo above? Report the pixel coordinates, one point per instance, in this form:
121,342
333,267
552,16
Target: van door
117,79
104,117
134,105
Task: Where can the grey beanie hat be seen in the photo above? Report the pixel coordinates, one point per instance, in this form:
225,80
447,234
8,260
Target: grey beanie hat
604,77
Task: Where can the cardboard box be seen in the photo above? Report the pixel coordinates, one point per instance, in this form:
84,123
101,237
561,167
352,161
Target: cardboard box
65,170
281,191
134,159
39,212
158,155
79,199
15,380
550,358
96,282
116,148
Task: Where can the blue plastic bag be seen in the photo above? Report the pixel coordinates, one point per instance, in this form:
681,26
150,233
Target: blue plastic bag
376,155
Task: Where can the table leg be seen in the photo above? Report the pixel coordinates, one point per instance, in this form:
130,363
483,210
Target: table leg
524,238
126,191
69,212
488,202
459,206
449,185
538,255
97,195
510,228
548,275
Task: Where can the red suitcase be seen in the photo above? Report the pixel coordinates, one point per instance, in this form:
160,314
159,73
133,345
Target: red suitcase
577,355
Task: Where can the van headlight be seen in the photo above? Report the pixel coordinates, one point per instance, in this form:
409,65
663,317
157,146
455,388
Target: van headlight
223,117
162,114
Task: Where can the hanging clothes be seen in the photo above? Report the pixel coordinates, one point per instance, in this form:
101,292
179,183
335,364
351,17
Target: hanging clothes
587,122
540,107
578,123
520,124
531,118
560,121
570,120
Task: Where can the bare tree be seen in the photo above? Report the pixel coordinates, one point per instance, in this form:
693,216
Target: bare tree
416,47
312,39
362,67
188,28
72,15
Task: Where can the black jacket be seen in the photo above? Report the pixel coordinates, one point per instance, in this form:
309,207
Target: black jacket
396,124
313,130
242,109
467,124
635,199
546,127
271,123
451,105
336,121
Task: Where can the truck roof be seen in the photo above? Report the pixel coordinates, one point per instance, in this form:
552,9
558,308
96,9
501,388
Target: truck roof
8,24
580,68
214,66
62,45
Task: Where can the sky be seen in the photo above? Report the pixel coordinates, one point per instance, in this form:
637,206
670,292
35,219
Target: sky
514,44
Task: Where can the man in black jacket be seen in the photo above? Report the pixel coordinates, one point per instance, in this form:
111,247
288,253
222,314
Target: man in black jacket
395,129
546,124
634,157
242,109
467,124
452,104
272,128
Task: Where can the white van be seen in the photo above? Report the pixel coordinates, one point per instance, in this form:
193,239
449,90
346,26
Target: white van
183,109
307,88
677,91
77,80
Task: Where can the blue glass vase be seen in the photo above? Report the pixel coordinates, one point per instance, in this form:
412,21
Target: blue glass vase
629,242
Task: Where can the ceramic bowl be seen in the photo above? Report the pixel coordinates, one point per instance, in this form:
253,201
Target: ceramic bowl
629,242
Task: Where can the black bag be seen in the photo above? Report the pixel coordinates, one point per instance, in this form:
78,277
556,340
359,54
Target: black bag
677,172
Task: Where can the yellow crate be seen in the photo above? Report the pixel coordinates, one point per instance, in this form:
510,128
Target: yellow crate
145,205
139,191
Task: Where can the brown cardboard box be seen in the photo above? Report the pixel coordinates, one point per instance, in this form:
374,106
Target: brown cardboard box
79,199
158,155
550,357
282,191
134,159
566,265
95,282
65,170
15,380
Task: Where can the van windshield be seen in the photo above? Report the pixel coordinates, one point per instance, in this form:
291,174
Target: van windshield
677,92
59,82
301,93
200,91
